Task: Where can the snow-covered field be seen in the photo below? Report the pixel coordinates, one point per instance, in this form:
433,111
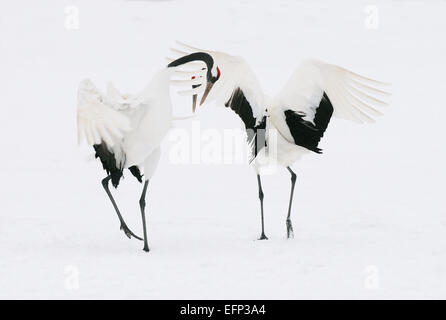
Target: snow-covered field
369,214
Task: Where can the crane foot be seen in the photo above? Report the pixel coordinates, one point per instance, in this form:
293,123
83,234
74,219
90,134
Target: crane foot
129,232
289,229
263,237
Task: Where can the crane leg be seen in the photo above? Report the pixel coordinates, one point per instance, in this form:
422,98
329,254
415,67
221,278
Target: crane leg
124,227
262,236
142,205
289,225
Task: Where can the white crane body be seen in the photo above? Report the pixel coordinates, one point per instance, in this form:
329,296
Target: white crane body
126,132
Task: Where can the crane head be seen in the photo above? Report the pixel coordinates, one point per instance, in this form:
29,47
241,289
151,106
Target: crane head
212,75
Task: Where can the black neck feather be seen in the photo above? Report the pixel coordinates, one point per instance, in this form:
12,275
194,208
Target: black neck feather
197,56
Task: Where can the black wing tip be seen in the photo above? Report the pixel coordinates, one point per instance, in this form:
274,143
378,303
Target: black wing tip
136,173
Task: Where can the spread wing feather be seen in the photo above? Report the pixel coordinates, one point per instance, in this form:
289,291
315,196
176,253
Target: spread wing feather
354,97
97,121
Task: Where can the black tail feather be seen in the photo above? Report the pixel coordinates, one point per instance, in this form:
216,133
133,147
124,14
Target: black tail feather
108,161
136,173
323,114
305,133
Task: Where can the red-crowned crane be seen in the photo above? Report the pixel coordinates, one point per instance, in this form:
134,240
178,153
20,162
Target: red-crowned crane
126,132
293,122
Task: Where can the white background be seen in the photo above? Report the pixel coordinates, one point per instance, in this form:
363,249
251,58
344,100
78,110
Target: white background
369,214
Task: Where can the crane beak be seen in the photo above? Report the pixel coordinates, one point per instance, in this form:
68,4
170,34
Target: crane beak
206,92
194,103
194,98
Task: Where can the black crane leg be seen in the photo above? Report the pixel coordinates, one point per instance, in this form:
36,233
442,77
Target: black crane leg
142,205
124,227
289,226
262,236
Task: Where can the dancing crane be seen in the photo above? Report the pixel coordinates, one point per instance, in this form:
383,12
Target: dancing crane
282,129
125,132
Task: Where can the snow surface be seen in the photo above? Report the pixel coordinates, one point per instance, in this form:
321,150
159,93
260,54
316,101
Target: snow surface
369,214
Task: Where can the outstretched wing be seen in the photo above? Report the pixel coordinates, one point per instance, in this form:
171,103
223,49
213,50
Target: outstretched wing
352,96
96,120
